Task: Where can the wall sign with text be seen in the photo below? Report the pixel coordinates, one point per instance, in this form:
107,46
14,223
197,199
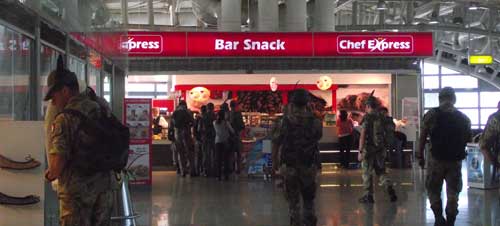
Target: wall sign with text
269,44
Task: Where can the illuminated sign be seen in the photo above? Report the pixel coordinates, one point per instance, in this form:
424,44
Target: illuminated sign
483,59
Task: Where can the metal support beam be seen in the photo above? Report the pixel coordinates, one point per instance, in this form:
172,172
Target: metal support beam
124,11
151,13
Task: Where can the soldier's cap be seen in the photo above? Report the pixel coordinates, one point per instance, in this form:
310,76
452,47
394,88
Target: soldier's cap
300,97
60,78
447,92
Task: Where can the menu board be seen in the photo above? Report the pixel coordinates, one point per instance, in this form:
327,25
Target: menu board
137,116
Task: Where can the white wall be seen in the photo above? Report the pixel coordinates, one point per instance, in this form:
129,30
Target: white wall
205,79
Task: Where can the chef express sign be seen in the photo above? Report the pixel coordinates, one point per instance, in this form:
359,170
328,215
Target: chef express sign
300,44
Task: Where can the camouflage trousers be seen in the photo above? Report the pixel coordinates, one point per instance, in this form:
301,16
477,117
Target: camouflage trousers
300,182
437,172
208,149
185,155
86,209
371,164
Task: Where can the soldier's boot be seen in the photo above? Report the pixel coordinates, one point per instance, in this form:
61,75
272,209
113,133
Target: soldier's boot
10,200
7,163
438,215
368,198
450,220
392,194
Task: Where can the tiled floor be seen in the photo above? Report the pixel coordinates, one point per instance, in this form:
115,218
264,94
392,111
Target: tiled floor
206,202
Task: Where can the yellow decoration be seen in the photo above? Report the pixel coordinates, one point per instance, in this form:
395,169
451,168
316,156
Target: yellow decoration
324,82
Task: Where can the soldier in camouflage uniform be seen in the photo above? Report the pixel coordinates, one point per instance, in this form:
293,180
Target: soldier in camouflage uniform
298,136
371,154
440,170
84,200
182,120
491,139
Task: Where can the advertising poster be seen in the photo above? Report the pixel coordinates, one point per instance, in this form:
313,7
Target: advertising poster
352,98
137,116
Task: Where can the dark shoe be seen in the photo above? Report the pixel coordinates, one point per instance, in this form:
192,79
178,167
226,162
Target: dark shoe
392,194
7,163
440,221
450,221
19,201
367,199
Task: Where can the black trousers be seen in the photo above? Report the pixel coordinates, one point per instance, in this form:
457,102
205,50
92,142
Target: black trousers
345,145
222,160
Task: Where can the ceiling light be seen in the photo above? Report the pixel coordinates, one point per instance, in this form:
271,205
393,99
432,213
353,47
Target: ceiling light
433,21
473,6
381,5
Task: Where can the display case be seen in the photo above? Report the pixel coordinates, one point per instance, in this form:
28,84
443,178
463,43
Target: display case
480,172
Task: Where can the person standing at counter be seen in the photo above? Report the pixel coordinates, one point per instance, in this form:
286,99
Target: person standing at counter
159,123
182,120
236,119
223,130
208,139
449,131
490,140
344,131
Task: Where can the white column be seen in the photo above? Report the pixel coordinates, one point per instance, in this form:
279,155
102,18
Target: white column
324,18
230,15
268,15
295,15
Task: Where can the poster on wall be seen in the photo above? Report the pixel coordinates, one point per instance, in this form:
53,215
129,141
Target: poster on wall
352,98
137,116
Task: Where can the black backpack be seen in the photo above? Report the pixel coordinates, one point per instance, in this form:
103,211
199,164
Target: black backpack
300,142
100,145
448,136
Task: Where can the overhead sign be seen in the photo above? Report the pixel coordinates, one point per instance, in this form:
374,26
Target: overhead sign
267,44
480,60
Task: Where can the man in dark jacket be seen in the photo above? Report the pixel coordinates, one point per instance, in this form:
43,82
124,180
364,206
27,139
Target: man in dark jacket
236,120
182,120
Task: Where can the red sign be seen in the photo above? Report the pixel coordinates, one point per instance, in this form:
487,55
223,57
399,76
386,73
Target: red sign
266,44
375,44
249,44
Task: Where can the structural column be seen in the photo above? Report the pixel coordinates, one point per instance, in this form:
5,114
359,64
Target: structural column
230,15
268,15
296,15
151,13
124,8
324,18
118,91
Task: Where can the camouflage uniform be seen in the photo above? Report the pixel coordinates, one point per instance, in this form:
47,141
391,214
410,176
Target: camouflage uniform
85,200
373,158
490,139
299,171
183,140
438,170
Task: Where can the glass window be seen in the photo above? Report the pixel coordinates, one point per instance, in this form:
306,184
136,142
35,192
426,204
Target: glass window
459,81
473,115
467,99
447,71
162,88
489,99
48,62
485,114
431,82
107,87
93,75
474,127
431,100
15,70
140,87
431,69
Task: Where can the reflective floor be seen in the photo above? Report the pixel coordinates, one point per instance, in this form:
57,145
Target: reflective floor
174,201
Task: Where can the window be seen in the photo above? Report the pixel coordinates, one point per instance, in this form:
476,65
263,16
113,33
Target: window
467,99
473,115
431,82
431,69
489,99
446,71
162,88
459,81
431,100
485,113
140,87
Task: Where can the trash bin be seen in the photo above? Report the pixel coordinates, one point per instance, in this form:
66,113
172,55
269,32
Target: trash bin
480,173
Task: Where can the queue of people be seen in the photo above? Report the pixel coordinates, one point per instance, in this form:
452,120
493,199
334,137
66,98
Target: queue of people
208,145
